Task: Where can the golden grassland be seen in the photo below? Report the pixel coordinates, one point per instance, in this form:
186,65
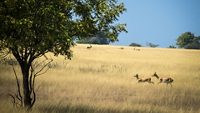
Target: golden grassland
100,80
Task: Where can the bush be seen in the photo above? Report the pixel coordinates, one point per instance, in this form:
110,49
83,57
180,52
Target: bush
172,46
152,45
135,45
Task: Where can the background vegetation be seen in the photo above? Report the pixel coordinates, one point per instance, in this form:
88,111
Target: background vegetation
100,80
99,38
135,45
188,40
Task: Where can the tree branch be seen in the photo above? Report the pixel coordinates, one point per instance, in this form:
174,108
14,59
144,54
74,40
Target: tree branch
33,76
33,91
30,79
18,95
39,72
4,54
14,101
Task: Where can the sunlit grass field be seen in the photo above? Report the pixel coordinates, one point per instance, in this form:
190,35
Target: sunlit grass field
100,80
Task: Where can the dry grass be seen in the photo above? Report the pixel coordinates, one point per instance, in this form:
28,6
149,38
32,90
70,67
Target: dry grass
100,80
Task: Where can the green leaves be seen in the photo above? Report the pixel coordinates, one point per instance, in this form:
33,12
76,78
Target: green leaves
189,41
31,28
185,38
35,27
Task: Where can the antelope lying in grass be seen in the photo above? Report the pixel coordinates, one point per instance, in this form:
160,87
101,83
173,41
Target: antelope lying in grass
136,49
89,47
148,80
167,80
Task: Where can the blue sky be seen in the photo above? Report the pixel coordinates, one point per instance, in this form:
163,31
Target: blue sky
159,21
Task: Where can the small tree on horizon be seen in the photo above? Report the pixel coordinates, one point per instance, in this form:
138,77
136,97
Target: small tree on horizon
188,40
172,46
135,45
149,44
185,39
31,28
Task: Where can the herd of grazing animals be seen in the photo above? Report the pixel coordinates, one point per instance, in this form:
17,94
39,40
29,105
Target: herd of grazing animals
166,80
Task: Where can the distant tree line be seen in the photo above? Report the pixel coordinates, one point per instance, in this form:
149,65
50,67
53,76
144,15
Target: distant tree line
186,40
147,44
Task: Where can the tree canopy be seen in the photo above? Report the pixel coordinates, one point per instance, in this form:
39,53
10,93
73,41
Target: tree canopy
31,28
188,40
41,26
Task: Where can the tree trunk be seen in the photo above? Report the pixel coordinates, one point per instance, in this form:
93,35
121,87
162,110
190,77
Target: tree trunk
26,90
25,66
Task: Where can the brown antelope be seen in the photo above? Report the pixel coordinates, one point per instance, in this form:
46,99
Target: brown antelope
167,80
136,49
121,48
148,80
89,47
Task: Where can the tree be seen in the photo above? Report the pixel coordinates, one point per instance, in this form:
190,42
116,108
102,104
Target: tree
172,46
99,38
188,40
135,45
31,28
152,45
195,44
185,39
